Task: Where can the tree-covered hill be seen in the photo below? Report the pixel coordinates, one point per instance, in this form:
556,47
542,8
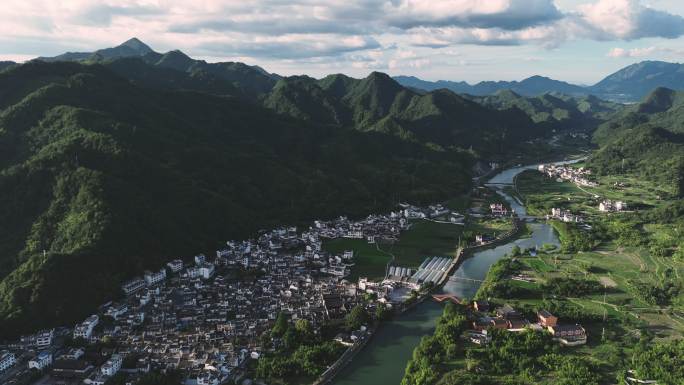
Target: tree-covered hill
554,111
647,139
380,104
101,178
251,81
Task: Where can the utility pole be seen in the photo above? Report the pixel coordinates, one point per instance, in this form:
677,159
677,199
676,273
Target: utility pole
605,314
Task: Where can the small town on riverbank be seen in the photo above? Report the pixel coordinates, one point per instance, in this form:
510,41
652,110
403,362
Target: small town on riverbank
210,320
205,318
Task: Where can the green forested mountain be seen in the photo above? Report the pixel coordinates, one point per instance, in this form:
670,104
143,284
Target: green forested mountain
636,81
101,177
554,111
378,103
646,138
250,81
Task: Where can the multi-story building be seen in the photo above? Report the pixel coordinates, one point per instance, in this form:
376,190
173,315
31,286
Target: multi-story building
116,311
41,361
7,360
206,270
176,265
41,340
85,329
155,278
112,365
133,285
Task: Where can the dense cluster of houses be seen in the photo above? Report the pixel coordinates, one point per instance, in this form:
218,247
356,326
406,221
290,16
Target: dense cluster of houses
436,211
578,176
202,318
508,318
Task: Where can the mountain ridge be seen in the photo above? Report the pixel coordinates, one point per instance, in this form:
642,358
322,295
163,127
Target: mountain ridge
628,84
101,178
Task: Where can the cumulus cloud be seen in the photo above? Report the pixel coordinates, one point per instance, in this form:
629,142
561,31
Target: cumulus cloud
503,14
629,20
291,46
103,14
299,30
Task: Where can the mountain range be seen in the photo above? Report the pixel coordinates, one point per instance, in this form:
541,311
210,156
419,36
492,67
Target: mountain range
125,158
629,84
115,161
554,111
101,178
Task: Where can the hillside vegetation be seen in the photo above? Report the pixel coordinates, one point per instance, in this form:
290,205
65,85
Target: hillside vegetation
378,103
554,111
646,139
101,178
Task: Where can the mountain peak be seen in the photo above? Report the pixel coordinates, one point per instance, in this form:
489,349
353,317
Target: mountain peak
136,45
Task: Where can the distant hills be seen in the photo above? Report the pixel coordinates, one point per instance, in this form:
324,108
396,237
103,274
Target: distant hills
374,104
532,86
248,80
380,104
554,110
638,80
629,84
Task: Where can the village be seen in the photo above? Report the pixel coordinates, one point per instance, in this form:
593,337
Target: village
205,317
581,177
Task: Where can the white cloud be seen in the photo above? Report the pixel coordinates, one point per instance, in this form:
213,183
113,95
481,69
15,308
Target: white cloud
504,14
644,52
400,34
628,20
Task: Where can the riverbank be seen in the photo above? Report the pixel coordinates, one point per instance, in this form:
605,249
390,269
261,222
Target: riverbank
392,347
605,291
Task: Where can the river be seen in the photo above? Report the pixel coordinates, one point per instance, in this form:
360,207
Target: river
383,361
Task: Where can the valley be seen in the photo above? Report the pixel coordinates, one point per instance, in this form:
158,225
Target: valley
336,208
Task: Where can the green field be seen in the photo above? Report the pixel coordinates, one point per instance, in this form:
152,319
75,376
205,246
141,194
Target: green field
424,238
541,193
369,261
617,270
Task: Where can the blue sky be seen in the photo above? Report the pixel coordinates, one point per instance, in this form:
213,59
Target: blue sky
579,41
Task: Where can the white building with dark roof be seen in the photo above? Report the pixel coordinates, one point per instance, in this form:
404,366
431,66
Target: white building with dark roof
41,361
112,365
85,328
133,285
152,279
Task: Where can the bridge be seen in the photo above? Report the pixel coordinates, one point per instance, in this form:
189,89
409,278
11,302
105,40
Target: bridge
446,297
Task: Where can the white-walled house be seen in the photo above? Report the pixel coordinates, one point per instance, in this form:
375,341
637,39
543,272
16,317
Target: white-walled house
41,361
